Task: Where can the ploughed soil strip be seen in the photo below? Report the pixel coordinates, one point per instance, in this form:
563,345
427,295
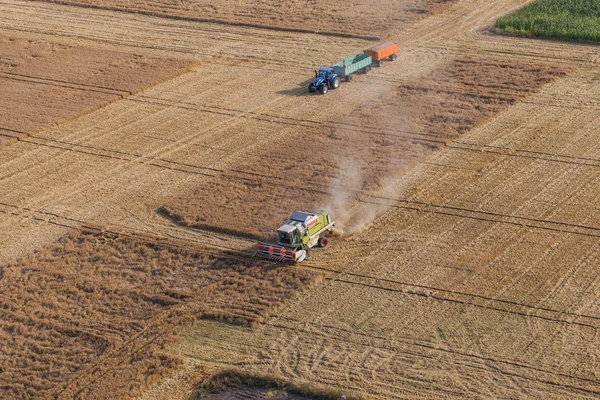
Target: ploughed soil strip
89,315
333,166
44,82
369,17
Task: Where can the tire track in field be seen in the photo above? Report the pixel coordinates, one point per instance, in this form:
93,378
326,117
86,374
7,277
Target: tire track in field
340,334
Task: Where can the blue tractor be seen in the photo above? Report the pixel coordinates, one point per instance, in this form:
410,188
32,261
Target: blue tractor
325,79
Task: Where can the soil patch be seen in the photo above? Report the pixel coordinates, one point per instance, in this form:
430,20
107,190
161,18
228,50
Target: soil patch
44,82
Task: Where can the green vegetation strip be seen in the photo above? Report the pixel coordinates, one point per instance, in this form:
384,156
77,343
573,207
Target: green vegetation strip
559,19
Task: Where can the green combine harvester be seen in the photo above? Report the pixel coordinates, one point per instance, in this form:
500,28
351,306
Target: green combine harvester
300,233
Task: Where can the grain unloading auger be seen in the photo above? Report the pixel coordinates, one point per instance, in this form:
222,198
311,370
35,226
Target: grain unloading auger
299,234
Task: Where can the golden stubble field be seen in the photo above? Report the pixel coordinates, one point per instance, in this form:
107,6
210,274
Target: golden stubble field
463,174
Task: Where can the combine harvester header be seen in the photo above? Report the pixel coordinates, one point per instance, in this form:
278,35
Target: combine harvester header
299,234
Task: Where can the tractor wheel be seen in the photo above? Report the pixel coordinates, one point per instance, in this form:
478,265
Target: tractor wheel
336,83
394,56
312,88
380,63
323,242
323,89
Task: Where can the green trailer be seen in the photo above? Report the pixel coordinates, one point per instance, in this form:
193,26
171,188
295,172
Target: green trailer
360,62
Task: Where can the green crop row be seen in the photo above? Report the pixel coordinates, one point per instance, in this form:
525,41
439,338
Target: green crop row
559,19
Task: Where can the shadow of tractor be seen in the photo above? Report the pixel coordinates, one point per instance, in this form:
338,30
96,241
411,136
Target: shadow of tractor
300,90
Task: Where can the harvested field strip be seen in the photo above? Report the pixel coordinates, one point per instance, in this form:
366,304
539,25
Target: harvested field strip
352,155
526,310
384,201
409,136
356,338
459,297
175,16
257,47
364,196
320,350
61,84
524,153
289,121
119,295
327,18
38,73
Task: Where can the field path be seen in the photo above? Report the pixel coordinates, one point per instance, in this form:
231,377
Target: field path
481,278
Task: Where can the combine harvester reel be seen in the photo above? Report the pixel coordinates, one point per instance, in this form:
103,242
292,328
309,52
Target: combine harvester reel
299,234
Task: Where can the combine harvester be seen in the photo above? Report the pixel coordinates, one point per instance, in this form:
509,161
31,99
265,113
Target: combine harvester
299,234
330,77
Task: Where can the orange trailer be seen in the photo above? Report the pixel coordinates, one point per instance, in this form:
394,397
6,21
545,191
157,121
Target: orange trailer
381,51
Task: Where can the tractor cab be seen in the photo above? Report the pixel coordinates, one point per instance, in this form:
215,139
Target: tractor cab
322,76
325,72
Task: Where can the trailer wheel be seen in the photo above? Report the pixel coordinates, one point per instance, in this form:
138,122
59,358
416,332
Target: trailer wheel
323,242
367,69
380,63
348,78
323,89
312,88
394,56
336,83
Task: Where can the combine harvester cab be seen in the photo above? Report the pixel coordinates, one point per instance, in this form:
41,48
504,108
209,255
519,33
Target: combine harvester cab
299,234
382,51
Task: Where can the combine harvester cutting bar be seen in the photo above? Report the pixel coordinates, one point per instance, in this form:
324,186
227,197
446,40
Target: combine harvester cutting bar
299,234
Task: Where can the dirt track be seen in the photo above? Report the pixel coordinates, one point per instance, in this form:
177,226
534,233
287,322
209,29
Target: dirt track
480,279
